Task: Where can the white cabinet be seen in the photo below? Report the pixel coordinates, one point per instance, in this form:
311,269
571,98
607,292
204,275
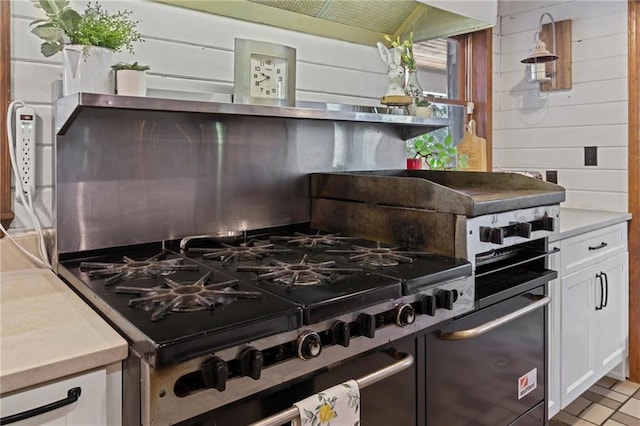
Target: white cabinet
90,408
593,311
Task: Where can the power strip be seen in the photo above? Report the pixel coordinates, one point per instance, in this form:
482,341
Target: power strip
26,148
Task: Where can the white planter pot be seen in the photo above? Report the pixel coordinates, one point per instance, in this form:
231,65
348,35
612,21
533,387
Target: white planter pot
422,111
131,83
89,73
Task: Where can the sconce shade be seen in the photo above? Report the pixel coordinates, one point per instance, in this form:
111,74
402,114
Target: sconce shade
539,54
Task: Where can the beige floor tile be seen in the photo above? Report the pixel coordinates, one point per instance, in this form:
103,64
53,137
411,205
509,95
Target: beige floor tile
637,395
627,387
596,413
554,422
616,396
607,382
612,423
625,419
602,400
631,407
577,406
571,420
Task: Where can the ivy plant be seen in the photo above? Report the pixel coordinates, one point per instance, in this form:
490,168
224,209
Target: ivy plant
439,154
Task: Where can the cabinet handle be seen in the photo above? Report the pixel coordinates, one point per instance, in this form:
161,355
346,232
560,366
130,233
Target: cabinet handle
598,247
72,396
599,277
606,287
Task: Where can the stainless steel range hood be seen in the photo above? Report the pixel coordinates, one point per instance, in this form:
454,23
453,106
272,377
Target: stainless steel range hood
362,22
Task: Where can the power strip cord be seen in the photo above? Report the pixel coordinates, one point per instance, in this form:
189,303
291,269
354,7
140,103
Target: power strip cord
26,198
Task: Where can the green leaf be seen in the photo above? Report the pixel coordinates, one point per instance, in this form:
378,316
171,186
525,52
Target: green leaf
70,19
50,48
47,32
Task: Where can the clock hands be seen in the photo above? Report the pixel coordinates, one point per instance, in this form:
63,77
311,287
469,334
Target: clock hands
266,77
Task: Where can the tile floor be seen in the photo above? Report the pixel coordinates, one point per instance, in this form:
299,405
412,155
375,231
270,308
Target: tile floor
609,403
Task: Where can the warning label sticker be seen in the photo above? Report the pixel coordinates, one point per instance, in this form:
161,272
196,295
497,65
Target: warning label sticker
527,383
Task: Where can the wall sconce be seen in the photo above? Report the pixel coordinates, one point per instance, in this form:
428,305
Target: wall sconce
550,69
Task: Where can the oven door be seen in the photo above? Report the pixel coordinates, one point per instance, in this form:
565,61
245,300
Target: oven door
392,401
489,367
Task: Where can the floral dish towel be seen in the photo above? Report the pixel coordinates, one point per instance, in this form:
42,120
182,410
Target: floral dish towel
336,406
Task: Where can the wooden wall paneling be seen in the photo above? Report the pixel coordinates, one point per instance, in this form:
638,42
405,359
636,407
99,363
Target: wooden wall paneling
6,215
482,86
563,50
634,188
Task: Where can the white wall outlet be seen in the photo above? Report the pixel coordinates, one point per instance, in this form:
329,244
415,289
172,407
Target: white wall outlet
26,148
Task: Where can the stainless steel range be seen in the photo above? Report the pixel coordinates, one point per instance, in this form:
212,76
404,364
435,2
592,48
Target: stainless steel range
271,307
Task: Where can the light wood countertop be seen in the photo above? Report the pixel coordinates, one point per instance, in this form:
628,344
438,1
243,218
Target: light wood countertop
47,332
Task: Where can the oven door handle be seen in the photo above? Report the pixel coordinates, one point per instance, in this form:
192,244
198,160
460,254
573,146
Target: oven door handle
403,362
538,302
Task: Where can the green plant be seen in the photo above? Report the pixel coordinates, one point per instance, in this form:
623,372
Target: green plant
422,102
133,67
407,50
439,154
95,27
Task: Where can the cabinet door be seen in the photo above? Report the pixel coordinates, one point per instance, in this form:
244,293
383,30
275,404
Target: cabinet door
611,322
576,330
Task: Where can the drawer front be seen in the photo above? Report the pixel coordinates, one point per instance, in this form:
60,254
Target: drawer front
89,409
586,249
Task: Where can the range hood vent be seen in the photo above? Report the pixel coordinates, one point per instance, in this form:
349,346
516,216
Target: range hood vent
362,22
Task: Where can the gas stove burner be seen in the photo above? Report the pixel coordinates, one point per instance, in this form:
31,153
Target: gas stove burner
187,297
245,251
314,240
148,268
298,274
379,256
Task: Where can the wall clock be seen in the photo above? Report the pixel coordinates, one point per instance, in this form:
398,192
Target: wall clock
264,73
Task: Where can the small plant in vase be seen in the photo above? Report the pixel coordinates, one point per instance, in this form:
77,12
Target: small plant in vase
130,79
87,42
439,154
423,108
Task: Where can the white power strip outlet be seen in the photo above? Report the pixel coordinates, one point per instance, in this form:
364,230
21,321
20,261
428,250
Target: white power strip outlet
26,148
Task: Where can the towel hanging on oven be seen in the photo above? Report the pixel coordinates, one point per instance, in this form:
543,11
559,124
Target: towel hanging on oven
336,406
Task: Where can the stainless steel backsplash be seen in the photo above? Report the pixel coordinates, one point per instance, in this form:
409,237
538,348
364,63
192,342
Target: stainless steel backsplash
134,176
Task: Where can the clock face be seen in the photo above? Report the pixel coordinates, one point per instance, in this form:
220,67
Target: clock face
268,77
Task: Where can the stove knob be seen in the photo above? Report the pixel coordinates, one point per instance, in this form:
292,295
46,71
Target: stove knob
309,345
341,333
524,230
427,305
491,235
548,224
214,373
251,361
405,315
446,298
367,325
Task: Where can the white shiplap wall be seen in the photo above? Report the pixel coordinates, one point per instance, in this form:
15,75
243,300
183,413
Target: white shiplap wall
549,132
191,56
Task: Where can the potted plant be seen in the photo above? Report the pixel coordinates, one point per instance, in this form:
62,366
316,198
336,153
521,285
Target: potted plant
438,154
87,42
423,108
130,79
